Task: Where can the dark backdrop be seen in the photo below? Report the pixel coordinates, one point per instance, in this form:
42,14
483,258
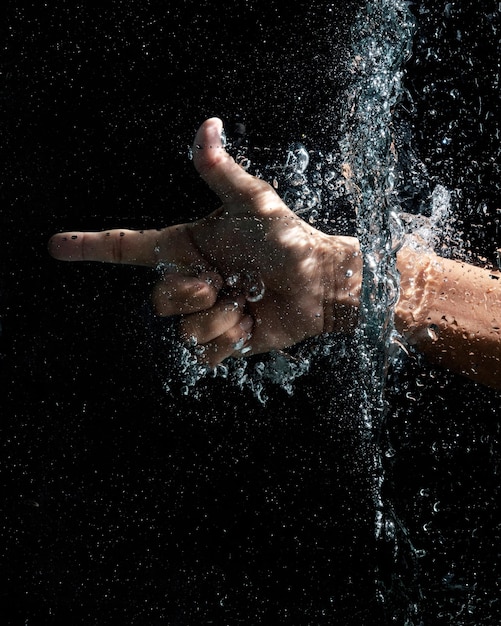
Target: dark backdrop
128,504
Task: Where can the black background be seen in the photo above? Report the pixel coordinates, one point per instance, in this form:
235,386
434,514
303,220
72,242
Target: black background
126,504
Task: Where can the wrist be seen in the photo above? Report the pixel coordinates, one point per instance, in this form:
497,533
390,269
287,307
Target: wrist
343,279
418,287
342,264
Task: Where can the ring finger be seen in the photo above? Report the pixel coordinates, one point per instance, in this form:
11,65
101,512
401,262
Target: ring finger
234,342
204,326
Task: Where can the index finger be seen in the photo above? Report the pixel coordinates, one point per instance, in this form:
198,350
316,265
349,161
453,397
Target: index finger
124,246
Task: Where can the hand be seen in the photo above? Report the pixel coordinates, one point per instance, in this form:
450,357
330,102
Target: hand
248,278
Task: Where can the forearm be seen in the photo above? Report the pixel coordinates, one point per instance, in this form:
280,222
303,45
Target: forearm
451,312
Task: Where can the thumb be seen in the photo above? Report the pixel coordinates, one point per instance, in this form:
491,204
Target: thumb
219,170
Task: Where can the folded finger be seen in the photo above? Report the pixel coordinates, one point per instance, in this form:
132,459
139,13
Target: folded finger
177,294
204,326
233,342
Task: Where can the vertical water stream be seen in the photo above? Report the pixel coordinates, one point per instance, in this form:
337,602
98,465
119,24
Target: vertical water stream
382,40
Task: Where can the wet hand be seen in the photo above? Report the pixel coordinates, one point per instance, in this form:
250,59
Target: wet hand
248,278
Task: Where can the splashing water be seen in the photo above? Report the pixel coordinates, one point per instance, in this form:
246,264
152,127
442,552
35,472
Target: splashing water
383,36
361,173
382,43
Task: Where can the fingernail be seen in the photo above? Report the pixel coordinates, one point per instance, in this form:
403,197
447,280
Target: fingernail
247,323
214,130
234,303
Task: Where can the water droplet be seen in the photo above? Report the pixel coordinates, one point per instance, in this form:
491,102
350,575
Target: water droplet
297,158
253,287
433,332
222,370
312,218
239,345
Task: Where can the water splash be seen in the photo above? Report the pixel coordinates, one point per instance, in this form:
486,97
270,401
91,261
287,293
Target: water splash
382,43
360,174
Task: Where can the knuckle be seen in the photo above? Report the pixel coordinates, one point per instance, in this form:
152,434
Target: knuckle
117,244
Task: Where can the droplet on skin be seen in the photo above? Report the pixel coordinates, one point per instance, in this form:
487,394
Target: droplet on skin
239,345
433,332
254,287
231,306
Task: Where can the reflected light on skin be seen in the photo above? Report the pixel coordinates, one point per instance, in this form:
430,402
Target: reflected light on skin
311,280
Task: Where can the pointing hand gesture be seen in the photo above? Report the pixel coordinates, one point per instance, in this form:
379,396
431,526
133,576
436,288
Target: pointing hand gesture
248,278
